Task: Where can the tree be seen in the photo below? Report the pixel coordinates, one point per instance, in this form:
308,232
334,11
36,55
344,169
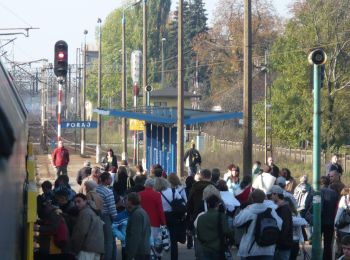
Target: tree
222,49
322,24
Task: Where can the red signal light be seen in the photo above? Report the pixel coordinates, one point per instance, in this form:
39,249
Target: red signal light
60,55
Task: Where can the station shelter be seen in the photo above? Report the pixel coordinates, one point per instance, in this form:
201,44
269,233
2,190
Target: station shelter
161,129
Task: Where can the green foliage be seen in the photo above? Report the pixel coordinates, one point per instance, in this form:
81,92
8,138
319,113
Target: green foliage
315,23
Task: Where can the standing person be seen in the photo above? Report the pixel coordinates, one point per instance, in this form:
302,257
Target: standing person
232,180
151,202
265,180
274,168
87,238
45,197
212,230
249,248
176,226
176,184
215,175
60,159
95,176
335,183
94,199
84,172
195,203
285,241
329,202
342,229
138,230
333,165
109,213
256,170
291,183
303,194
244,190
110,159
193,159
345,244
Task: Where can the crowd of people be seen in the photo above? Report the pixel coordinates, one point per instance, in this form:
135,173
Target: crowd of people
263,215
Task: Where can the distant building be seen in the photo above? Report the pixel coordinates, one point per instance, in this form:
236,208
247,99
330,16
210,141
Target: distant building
91,54
167,97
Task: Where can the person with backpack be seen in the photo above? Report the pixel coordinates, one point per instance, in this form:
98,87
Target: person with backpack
264,180
262,226
213,230
193,159
285,241
88,237
174,207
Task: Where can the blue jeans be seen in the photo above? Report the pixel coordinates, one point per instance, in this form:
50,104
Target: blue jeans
282,254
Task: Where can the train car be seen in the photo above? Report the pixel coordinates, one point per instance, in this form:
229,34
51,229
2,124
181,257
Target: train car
13,170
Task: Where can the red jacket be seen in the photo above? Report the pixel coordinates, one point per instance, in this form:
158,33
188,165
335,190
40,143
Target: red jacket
60,157
151,202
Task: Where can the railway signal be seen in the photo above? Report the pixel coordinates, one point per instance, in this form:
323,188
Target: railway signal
61,59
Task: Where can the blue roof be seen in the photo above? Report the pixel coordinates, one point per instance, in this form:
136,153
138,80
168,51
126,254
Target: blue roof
168,115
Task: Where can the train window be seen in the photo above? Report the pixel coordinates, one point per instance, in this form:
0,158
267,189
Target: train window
6,136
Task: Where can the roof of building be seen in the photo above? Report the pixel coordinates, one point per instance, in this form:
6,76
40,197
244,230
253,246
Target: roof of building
170,92
168,115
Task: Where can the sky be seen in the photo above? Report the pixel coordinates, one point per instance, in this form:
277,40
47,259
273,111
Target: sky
62,20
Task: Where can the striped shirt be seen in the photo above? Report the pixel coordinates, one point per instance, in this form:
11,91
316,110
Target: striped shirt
108,201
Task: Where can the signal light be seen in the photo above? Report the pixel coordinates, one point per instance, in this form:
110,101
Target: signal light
61,59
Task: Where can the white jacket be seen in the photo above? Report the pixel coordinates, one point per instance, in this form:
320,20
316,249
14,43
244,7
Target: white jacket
249,214
264,182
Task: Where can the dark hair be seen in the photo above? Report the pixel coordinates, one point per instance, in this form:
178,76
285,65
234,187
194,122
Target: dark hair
189,181
140,179
157,170
139,167
46,185
104,177
120,186
231,167
63,178
134,198
258,163
80,195
212,201
288,174
247,180
205,173
346,240
221,185
257,196
215,175
111,151
324,181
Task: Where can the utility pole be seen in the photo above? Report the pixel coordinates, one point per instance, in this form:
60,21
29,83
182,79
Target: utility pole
247,93
98,146
124,130
82,145
264,68
144,73
180,95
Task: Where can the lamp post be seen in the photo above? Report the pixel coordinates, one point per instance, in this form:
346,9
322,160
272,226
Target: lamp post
98,146
162,82
82,145
124,125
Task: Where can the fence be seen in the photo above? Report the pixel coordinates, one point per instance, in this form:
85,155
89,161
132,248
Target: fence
296,155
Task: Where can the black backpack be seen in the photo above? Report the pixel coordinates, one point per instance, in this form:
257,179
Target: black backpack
178,206
266,229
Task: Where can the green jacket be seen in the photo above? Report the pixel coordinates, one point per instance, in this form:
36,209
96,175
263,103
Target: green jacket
208,232
138,233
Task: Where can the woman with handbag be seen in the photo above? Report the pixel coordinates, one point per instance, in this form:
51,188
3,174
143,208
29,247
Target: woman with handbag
342,218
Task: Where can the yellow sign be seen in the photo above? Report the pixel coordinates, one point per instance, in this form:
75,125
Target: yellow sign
136,125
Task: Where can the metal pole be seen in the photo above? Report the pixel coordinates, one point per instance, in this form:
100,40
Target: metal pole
124,130
98,146
82,147
162,79
144,73
247,99
59,107
316,235
180,95
265,68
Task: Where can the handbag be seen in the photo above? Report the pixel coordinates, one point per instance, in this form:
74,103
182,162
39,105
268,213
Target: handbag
165,238
344,218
